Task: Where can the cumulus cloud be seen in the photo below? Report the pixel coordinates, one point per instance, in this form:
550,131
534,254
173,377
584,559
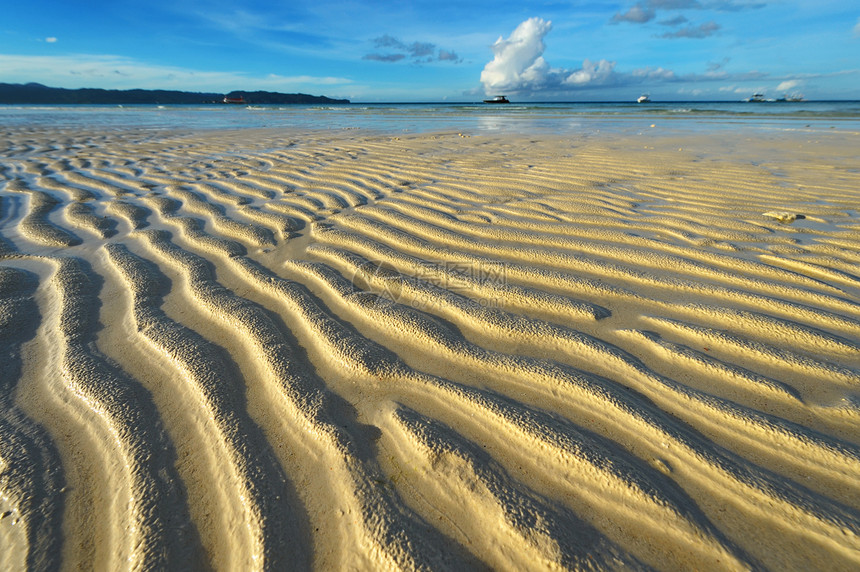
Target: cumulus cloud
51,40
598,73
518,65
417,52
518,61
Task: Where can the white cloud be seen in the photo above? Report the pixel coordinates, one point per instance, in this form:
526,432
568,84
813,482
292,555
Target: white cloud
117,72
518,67
857,29
788,85
591,72
51,40
518,64
518,61
654,73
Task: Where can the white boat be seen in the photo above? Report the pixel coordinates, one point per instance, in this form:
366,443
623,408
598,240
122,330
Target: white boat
644,98
757,98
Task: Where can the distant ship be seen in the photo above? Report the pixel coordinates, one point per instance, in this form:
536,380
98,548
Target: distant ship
793,97
757,98
644,98
239,100
497,99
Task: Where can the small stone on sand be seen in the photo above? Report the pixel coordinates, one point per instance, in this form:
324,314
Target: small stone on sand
781,216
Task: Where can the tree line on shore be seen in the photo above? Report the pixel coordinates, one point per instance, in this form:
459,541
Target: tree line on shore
36,93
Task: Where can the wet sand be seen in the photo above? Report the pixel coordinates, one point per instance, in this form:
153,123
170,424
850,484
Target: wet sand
272,349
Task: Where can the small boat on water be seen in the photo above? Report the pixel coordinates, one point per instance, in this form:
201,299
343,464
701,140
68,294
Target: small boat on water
644,98
757,98
794,97
237,100
497,99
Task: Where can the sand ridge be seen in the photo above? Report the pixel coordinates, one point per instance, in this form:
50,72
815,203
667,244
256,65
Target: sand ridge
270,349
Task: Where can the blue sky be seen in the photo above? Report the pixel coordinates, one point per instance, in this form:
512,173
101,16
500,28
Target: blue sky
439,50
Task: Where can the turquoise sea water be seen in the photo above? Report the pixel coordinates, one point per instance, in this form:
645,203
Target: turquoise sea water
556,118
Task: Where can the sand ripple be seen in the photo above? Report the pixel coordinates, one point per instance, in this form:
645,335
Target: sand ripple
269,350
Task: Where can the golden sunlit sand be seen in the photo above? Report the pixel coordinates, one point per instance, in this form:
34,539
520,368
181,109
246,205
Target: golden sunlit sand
268,349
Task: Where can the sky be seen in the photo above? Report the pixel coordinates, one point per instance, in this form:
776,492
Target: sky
441,50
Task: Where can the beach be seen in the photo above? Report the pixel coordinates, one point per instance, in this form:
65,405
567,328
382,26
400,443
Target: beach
289,348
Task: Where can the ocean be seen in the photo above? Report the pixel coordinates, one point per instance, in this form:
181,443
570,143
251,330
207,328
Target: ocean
554,118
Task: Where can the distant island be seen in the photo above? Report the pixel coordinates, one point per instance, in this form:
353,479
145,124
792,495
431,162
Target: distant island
36,93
